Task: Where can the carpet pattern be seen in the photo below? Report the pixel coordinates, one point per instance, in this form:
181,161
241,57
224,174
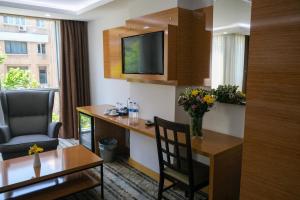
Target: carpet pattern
122,182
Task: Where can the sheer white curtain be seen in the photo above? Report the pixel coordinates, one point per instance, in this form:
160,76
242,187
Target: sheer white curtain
228,60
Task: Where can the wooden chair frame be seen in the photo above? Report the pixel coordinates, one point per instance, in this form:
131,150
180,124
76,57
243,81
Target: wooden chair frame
168,133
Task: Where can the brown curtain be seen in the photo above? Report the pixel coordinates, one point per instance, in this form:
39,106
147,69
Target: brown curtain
246,55
75,85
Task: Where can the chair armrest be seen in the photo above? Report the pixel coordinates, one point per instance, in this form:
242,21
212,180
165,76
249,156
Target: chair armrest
4,134
53,129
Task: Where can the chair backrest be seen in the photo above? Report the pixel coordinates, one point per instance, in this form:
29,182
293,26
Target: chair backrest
174,146
27,111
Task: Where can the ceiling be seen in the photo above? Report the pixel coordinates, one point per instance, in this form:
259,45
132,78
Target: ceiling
72,7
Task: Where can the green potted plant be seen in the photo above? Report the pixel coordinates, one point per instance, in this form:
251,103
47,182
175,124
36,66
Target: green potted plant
196,102
229,94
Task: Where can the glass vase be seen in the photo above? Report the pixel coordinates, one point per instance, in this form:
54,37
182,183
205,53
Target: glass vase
196,127
36,160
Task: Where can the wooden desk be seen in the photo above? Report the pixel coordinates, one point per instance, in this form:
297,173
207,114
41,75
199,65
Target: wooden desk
224,151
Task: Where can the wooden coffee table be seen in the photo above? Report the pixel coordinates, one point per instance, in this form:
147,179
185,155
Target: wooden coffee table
63,172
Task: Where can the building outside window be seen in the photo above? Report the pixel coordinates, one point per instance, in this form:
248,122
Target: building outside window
43,76
14,20
21,49
40,23
41,48
15,47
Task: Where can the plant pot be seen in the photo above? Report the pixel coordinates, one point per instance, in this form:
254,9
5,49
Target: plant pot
36,160
196,127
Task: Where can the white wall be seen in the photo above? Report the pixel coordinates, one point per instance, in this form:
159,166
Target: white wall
227,12
103,90
226,118
154,100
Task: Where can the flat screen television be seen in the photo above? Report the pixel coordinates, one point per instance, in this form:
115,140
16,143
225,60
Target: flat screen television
143,54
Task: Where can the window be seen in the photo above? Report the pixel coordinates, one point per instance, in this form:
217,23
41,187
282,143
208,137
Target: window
15,47
41,48
25,69
228,54
14,20
43,75
40,23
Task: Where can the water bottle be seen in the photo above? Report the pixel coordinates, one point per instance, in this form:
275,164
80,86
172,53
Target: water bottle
128,100
130,110
135,111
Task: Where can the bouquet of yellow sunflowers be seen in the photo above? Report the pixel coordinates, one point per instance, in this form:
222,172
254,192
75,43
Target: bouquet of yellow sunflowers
35,149
196,102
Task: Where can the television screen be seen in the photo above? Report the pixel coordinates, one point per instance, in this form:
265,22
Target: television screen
143,54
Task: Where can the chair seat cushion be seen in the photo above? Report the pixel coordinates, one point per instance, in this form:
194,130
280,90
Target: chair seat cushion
22,143
201,174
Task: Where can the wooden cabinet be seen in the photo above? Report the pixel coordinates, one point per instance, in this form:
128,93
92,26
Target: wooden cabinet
187,46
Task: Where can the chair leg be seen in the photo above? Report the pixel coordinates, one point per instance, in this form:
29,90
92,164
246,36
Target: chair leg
186,193
191,195
160,186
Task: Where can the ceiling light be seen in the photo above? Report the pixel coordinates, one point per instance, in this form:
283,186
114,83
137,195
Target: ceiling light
47,15
146,27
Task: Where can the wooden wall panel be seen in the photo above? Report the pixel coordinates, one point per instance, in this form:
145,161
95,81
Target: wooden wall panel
202,44
271,156
194,43
113,53
172,53
184,50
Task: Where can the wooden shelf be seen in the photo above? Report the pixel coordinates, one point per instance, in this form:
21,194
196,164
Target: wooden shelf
56,188
161,82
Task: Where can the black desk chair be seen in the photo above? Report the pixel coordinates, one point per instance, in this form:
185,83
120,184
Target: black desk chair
175,158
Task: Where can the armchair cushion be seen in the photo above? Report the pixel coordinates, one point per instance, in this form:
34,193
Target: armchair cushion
28,125
53,129
22,143
4,134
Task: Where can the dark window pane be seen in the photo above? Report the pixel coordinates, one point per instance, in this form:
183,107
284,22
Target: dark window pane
41,48
43,76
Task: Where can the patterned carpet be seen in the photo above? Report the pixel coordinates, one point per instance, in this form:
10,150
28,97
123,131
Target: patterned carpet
122,182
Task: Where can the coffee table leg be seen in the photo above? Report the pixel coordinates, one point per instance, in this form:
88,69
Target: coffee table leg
102,190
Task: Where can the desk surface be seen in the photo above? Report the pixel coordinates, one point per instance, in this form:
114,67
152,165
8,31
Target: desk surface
212,144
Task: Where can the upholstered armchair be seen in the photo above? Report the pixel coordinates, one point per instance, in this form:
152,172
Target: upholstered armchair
27,121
